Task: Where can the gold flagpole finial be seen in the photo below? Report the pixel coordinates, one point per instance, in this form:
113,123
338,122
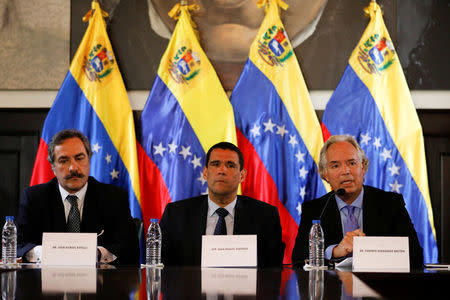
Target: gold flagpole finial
175,12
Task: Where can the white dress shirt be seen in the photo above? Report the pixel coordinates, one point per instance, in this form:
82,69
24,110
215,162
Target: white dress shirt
35,254
212,217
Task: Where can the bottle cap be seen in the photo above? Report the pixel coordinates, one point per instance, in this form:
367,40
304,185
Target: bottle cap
9,218
154,220
316,221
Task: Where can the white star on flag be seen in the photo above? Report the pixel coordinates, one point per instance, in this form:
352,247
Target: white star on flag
281,130
303,172
292,140
299,208
365,138
300,156
377,143
196,162
268,126
255,130
159,150
395,187
185,151
394,169
386,154
108,158
114,174
173,147
303,192
96,147
201,178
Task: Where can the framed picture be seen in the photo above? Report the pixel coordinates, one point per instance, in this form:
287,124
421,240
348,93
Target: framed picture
323,32
34,43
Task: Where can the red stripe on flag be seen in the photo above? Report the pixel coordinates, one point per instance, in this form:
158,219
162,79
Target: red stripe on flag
154,192
42,170
286,275
260,185
325,133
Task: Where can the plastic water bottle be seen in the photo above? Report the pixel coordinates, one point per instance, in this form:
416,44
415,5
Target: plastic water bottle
154,240
153,283
9,285
9,241
316,245
316,284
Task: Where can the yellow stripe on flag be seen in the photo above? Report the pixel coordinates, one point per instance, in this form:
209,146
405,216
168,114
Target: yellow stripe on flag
386,82
106,92
199,92
285,74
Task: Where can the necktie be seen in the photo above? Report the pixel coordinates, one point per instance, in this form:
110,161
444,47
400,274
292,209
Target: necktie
351,223
221,227
73,220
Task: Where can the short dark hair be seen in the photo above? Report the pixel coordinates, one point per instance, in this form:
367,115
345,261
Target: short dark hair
63,135
226,146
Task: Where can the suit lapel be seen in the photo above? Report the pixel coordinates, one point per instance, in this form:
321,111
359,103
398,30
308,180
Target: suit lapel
198,219
57,208
370,214
242,218
203,214
332,222
91,213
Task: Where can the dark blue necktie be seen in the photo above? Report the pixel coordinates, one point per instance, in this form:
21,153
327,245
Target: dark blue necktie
73,219
221,227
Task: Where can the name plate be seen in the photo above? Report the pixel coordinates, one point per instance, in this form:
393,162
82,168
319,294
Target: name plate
229,251
69,280
229,281
69,249
380,254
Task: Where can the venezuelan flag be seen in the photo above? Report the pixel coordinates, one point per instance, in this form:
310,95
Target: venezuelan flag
93,100
186,113
372,102
277,126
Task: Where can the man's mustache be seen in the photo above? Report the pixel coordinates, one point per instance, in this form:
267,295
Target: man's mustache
74,175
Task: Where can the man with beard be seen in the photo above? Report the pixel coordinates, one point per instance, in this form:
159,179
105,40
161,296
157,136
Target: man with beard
76,202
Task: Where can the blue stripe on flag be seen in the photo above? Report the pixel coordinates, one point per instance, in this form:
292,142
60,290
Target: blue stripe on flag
266,123
164,125
78,113
359,116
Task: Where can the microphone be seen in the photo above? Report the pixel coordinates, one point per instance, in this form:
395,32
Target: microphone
339,192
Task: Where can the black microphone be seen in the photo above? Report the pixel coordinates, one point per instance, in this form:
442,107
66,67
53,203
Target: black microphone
339,192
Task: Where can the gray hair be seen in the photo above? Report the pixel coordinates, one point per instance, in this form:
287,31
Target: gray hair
336,139
63,135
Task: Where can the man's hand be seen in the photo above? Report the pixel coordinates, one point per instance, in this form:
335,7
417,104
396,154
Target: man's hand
99,255
346,245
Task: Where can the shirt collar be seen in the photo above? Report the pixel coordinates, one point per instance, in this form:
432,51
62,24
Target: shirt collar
212,207
357,203
80,194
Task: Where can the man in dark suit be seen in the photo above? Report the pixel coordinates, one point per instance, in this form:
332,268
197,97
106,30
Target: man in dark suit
184,222
75,202
360,211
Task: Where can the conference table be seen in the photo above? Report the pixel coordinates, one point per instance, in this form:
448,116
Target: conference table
29,281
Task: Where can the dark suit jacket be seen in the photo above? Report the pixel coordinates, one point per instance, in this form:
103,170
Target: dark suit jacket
184,222
384,214
105,208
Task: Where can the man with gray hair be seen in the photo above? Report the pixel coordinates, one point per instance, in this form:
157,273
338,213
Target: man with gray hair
352,209
75,202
